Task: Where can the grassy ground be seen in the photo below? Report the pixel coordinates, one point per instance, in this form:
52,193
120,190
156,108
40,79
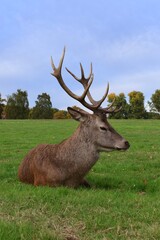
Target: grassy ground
124,202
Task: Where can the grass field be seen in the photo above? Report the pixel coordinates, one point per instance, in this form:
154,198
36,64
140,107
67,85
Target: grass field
124,202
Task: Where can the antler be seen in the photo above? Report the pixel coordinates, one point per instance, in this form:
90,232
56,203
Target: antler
86,82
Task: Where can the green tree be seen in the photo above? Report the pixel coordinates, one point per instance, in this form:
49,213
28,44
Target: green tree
136,100
120,102
17,106
43,107
155,102
1,105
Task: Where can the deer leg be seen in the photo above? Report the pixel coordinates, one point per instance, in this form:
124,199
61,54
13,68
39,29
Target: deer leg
84,183
39,181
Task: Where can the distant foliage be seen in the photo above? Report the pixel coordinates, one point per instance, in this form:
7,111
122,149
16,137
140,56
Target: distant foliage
155,102
54,110
17,106
2,101
43,108
61,114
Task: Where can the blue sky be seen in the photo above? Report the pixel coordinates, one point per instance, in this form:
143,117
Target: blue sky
120,37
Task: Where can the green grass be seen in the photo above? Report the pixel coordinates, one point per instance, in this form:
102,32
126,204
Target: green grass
124,202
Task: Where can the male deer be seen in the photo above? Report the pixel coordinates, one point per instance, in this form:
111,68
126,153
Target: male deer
67,163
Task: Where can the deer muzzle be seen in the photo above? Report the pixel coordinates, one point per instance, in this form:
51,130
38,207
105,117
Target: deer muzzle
123,146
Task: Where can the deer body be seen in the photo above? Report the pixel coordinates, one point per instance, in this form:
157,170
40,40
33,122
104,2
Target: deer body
61,164
67,163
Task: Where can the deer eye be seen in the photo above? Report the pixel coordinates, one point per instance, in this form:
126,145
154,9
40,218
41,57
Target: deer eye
103,128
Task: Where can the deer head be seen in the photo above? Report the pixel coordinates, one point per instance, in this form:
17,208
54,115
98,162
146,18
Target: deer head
95,126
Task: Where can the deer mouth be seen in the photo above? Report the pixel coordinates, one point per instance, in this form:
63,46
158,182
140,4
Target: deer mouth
110,149
106,149
121,149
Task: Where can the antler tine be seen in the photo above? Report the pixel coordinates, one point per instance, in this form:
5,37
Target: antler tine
91,71
111,105
57,74
117,110
104,97
57,71
72,74
83,80
86,89
114,110
109,110
52,64
82,75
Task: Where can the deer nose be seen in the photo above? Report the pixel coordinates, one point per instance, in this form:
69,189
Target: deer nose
127,144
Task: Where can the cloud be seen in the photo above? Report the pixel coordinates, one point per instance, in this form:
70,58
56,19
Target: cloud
136,50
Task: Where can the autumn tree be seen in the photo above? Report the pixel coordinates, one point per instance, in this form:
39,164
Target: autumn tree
136,100
54,110
43,107
61,114
17,106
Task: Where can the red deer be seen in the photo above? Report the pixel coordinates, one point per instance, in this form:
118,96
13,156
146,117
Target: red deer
67,163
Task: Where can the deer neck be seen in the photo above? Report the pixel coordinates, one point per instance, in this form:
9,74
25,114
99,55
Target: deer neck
81,149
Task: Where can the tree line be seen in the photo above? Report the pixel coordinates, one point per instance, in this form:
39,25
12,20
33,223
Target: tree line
16,106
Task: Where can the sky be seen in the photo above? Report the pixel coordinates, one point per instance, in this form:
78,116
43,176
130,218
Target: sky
120,37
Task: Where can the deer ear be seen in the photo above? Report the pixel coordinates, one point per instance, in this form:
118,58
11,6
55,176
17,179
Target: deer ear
78,115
